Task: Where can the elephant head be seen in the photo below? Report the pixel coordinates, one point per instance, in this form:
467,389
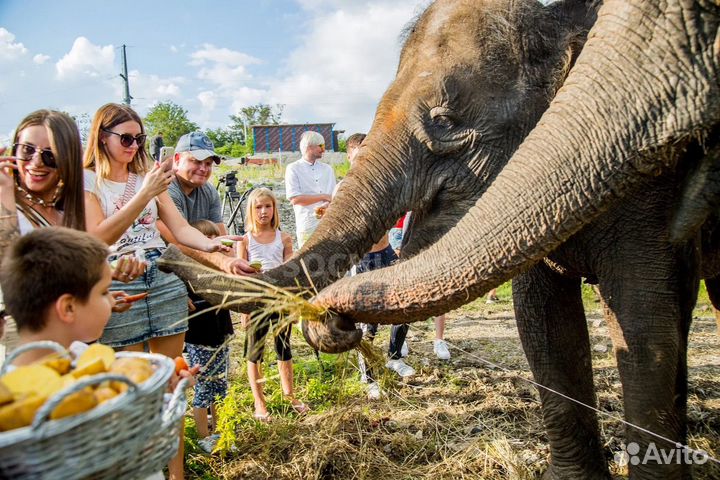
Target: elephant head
473,79
644,88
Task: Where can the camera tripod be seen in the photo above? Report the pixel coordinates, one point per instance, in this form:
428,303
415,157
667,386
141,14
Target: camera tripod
233,201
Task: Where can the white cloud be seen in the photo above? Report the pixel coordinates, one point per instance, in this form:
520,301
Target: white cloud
211,53
9,49
208,100
341,68
86,59
147,89
221,66
40,58
173,49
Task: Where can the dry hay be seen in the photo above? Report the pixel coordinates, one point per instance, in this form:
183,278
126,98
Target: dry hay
454,420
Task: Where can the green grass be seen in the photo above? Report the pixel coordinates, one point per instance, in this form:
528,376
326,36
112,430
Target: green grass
266,173
322,385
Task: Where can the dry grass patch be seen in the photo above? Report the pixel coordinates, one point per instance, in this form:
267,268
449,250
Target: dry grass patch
453,420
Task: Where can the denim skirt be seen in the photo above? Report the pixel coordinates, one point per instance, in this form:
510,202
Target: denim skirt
162,313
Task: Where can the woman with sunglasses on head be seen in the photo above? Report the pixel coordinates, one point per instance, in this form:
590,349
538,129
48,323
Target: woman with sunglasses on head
123,202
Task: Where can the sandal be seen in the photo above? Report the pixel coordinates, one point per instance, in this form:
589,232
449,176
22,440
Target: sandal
300,408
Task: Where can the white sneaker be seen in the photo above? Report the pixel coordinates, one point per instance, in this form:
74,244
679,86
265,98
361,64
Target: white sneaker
404,350
374,392
362,368
441,350
400,367
208,443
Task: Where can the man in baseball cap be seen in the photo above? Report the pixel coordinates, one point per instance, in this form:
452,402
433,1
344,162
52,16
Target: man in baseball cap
196,199
199,145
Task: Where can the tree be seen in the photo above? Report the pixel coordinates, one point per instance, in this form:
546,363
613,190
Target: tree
171,119
221,137
260,114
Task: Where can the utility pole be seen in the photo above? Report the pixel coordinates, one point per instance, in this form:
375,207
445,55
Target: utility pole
124,76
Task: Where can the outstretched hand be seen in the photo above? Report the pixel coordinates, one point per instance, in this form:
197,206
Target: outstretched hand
238,266
215,245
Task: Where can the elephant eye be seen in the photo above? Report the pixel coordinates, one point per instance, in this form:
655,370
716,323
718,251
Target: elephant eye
443,119
445,132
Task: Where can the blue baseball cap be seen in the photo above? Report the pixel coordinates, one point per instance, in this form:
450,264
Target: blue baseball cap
199,145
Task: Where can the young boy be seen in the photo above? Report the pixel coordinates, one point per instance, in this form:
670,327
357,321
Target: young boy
56,283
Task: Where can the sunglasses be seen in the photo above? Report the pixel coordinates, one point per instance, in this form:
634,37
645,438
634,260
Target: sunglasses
26,152
126,140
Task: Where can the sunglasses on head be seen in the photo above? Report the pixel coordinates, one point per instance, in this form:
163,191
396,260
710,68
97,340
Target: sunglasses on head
26,152
126,140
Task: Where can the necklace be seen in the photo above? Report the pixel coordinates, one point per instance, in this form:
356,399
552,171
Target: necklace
35,200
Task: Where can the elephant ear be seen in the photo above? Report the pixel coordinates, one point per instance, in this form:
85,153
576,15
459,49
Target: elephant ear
564,32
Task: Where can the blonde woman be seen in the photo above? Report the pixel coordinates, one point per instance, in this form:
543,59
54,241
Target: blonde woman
124,200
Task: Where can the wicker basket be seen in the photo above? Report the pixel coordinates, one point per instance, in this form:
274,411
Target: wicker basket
108,441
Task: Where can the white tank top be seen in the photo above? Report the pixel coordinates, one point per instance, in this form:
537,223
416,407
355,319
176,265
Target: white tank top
270,254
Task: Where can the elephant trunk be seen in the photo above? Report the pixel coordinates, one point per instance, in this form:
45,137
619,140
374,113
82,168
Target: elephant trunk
367,204
372,197
639,92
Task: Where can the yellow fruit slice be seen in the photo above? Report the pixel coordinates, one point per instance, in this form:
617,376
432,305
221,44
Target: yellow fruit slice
136,369
75,403
38,379
57,362
95,351
6,395
103,394
95,367
20,413
68,379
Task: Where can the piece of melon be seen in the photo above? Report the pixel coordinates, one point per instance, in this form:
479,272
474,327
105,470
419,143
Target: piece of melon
93,368
136,369
57,362
38,379
75,403
104,393
21,412
94,351
6,395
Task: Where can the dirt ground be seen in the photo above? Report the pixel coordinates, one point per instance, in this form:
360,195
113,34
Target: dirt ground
472,417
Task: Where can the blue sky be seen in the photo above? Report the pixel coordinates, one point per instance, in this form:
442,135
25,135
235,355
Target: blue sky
325,60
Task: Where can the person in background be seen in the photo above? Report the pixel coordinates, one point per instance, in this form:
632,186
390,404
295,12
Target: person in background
309,184
206,345
156,146
265,243
380,255
196,199
440,347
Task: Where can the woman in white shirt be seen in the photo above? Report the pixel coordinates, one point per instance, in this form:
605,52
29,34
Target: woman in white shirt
123,202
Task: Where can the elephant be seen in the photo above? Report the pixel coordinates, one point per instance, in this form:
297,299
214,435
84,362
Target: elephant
613,181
